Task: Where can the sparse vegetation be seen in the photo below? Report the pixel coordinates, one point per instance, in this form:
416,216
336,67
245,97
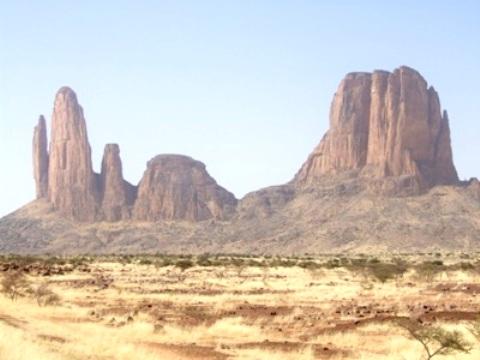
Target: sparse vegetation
184,264
435,340
15,284
45,296
333,302
475,328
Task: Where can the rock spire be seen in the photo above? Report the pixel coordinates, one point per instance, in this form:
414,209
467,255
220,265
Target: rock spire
40,158
71,181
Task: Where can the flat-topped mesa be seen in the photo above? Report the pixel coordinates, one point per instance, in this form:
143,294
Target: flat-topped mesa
178,187
40,158
116,194
71,181
385,125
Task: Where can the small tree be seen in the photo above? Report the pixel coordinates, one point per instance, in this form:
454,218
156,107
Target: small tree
435,340
14,284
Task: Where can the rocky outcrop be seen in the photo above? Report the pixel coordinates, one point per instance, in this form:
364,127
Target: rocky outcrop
40,158
117,195
385,125
72,187
177,187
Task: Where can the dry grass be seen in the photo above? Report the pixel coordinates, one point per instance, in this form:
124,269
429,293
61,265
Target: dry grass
128,310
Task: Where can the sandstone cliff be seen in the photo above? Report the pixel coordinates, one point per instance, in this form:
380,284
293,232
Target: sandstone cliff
385,125
40,158
177,187
71,181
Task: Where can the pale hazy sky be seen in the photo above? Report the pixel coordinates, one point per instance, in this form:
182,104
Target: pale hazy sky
244,86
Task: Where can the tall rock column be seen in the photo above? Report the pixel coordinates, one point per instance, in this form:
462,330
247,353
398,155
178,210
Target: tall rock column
385,125
40,158
71,185
114,190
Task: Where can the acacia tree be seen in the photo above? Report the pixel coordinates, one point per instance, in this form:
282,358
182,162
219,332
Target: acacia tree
435,340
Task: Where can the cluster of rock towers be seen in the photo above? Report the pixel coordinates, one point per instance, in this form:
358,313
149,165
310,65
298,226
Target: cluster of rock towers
383,126
174,187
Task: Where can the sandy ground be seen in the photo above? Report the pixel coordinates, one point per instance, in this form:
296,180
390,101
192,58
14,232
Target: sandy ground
131,311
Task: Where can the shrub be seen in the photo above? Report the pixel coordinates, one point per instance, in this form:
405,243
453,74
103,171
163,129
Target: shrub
428,269
204,260
15,284
184,264
309,265
475,328
145,261
332,263
45,296
386,271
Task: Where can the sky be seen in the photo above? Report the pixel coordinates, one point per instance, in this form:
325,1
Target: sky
243,86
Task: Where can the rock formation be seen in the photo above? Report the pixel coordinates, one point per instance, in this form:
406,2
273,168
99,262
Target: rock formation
385,125
40,158
178,187
174,187
387,136
71,181
117,195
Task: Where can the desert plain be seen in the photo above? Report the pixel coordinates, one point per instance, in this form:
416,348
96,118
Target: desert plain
239,307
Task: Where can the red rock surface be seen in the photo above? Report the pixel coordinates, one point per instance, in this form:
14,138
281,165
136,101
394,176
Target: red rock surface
174,186
40,158
178,187
72,184
385,125
116,197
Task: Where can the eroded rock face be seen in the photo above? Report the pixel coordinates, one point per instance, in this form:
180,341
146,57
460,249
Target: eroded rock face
116,194
385,125
72,187
40,158
178,187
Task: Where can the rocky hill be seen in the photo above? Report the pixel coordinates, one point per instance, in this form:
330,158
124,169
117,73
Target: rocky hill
381,179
